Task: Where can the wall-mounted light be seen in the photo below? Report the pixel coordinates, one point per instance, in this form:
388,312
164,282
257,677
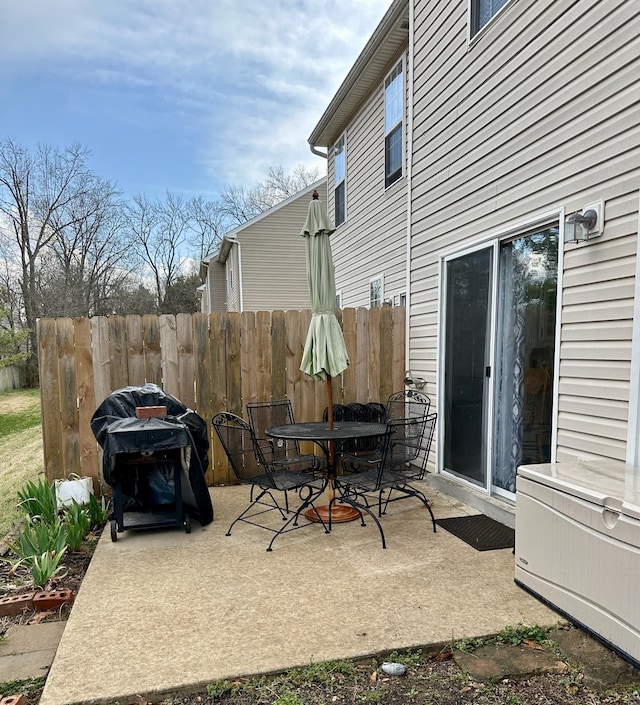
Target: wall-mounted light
585,225
410,380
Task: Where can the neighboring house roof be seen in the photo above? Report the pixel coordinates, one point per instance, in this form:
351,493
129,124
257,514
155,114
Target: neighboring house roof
230,237
389,38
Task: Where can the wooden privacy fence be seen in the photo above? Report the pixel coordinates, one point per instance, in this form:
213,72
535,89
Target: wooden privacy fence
211,362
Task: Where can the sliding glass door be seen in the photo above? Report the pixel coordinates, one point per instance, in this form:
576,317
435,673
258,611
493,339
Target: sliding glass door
499,351
466,361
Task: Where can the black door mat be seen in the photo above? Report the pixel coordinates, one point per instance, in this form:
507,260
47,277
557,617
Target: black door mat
479,531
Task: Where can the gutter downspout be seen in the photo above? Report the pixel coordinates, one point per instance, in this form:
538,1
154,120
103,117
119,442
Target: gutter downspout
235,241
410,60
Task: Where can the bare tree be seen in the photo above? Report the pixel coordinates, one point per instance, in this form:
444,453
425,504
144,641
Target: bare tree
240,204
159,230
207,224
90,252
41,194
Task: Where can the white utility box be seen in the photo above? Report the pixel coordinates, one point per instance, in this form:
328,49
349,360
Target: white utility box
578,546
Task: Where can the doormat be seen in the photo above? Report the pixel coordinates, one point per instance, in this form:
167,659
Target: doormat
479,531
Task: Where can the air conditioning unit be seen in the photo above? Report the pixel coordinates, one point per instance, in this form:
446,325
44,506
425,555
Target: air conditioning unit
578,546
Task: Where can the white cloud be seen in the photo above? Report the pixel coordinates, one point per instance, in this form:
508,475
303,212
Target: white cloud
252,77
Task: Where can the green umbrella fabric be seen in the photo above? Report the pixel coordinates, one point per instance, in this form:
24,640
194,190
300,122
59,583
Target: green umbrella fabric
325,353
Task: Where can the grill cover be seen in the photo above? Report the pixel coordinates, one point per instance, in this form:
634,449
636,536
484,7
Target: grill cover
118,430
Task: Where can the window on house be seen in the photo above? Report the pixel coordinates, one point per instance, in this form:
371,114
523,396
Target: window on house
482,11
338,299
339,168
402,299
376,291
393,112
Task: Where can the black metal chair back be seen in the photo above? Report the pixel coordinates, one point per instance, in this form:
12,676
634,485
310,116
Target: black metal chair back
407,403
239,443
406,448
286,453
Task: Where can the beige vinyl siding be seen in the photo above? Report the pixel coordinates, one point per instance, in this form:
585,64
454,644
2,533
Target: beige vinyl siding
372,240
538,114
274,273
217,285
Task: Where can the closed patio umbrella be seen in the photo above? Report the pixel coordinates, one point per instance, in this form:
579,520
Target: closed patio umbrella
325,353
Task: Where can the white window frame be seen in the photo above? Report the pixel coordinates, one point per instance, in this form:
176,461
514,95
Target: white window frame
340,179
391,127
377,302
339,298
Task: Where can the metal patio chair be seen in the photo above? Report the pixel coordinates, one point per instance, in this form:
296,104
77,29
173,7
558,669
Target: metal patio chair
284,454
405,451
252,467
407,403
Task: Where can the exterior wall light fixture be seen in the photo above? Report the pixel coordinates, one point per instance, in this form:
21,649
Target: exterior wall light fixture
579,227
410,380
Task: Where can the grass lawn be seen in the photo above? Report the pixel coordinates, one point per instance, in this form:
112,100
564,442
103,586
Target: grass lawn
21,453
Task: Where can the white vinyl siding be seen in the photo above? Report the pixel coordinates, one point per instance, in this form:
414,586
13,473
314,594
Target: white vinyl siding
373,239
539,116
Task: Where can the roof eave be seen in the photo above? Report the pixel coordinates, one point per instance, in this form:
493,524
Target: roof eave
388,39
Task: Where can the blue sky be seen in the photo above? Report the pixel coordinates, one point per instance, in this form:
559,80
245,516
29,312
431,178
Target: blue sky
186,96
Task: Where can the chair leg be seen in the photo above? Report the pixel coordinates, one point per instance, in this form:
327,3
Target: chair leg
412,492
360,508
253,503
293,520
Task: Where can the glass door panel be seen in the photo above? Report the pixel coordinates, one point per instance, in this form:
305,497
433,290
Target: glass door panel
525,352
467,325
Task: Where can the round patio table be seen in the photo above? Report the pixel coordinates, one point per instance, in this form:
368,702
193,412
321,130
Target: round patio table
319,432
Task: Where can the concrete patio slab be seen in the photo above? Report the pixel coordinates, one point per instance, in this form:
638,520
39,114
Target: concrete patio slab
162,611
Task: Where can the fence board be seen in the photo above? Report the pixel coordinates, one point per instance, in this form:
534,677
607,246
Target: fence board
135,350
186,369
278,355
49,395
86,398
350,340
362,355
248,373
263,355
101,359
169,354
386,353
68,407
117,327
212,362
151,346
373,330
399,348
220,472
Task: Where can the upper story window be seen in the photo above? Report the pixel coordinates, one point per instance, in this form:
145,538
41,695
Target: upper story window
482,11
393,113
340,172
376,291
